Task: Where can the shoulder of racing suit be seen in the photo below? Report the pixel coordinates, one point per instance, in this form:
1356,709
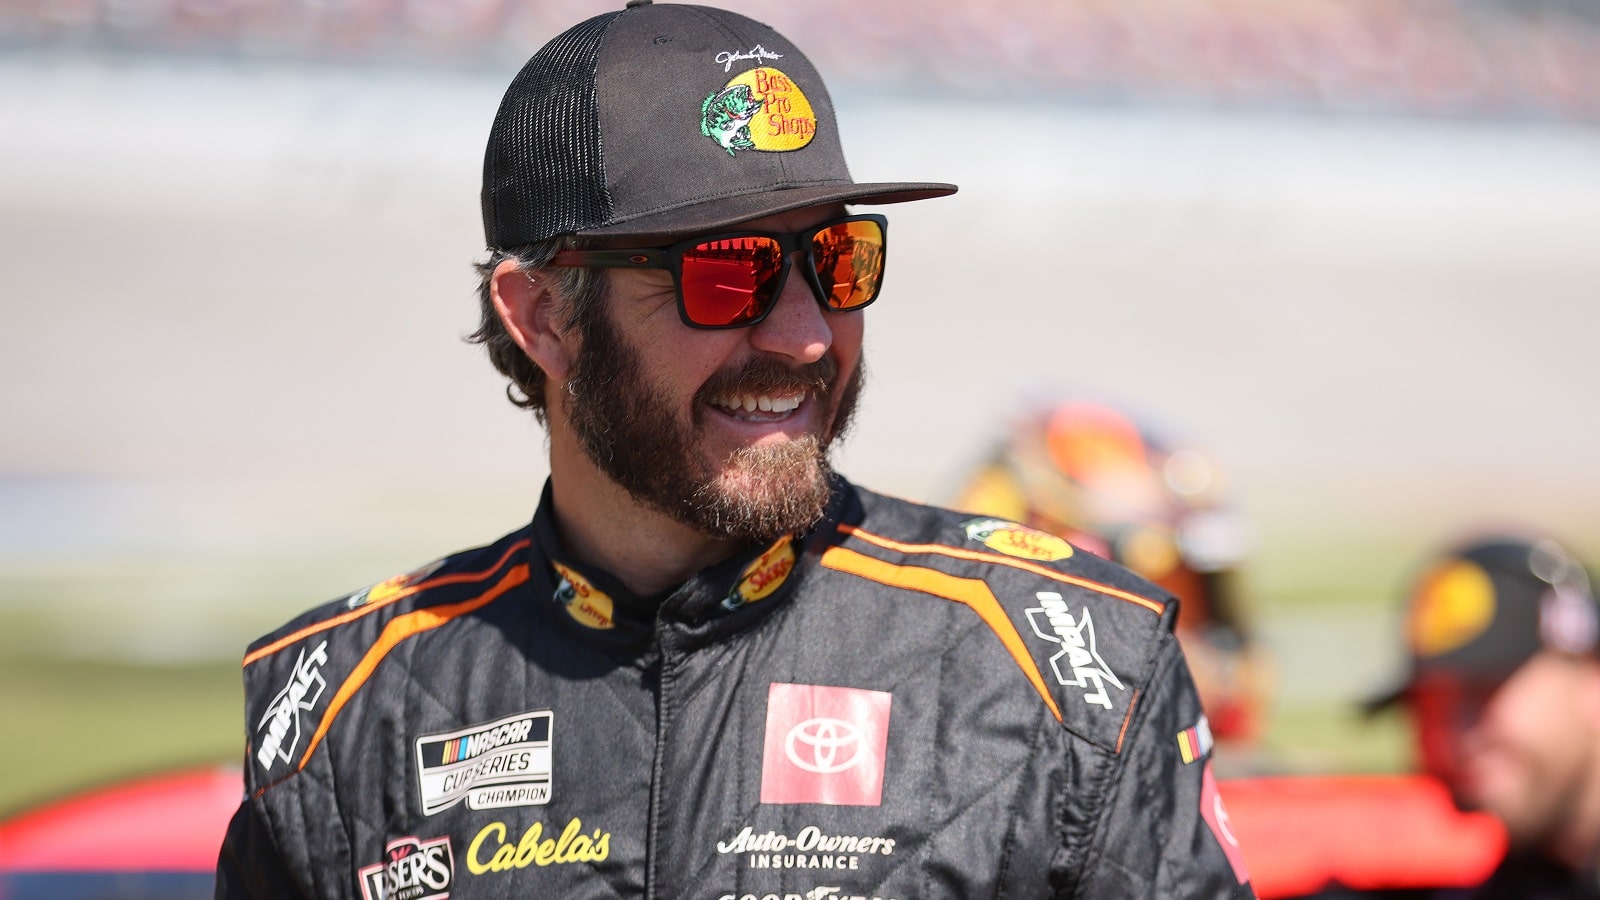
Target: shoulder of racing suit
299,677
1085,632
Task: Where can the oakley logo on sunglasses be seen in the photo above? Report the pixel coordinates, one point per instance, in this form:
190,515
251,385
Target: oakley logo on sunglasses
758,109
733,280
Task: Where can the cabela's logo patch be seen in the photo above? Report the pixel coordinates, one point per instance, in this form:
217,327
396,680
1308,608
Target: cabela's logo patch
758,109
1017,540
1078,662
492,850
496,764
583,601
765,574
412,869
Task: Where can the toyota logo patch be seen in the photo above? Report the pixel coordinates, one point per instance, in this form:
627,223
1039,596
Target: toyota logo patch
825,745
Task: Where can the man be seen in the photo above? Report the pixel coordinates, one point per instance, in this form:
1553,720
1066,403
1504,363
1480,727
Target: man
1504,691
1115,486
710,667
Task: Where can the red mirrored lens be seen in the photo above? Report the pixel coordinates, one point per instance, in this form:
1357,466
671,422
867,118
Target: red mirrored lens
849,260
730,281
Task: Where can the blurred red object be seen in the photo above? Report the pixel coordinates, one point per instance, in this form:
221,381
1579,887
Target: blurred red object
1300,835
171,822
1304,834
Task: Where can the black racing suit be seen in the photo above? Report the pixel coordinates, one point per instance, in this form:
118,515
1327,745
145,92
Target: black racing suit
906,703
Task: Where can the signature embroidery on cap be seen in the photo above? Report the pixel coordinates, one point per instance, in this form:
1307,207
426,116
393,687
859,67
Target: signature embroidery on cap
786,120
757,53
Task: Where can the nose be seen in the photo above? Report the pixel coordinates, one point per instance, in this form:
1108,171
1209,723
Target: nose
798,326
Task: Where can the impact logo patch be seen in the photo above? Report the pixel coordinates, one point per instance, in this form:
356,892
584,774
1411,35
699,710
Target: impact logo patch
413,869
583,601
1077,663
758,109
279,728
825,745
765,574
493,765
1017,540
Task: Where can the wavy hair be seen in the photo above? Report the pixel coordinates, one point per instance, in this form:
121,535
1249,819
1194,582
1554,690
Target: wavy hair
578,295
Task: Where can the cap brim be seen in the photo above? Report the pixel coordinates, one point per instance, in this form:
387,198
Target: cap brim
725,212
1377,703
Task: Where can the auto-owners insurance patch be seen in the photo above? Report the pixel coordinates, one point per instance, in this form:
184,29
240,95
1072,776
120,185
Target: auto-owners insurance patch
501,763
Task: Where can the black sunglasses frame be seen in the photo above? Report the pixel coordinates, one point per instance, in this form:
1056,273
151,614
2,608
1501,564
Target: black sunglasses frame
671,259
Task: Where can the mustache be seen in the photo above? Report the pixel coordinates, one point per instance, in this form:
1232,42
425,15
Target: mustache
769,376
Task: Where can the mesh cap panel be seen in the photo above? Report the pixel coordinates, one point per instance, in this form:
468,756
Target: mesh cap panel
543,173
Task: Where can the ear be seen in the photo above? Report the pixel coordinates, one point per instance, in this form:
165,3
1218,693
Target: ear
528,309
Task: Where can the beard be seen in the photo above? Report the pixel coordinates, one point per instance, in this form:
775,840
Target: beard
629,431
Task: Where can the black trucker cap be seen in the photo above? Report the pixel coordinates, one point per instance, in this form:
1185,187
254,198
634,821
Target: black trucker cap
665,120
1482,609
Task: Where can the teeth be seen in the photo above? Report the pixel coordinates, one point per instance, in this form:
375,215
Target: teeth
750,403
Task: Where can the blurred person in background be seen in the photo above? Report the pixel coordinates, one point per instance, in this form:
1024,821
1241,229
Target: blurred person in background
1503,691
710,667
1113,485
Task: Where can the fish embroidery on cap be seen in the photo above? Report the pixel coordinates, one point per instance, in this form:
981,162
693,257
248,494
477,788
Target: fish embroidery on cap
758,109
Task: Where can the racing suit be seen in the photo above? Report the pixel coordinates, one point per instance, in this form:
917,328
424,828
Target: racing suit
904,703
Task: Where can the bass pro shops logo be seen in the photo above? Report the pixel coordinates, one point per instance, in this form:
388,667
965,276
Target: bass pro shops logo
412,870
282,719
1078,662
758,109
1017,540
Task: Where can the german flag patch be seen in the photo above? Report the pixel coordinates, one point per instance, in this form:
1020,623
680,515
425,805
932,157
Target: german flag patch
1195,742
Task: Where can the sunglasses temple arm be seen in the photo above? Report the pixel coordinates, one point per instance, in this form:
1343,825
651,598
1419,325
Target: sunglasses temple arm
612,259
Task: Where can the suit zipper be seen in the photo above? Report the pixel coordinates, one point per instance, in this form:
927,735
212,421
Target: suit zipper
658,767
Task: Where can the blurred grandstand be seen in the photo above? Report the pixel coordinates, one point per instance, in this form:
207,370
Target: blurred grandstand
1497,58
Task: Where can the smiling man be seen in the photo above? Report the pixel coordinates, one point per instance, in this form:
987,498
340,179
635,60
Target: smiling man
710,667
1504,695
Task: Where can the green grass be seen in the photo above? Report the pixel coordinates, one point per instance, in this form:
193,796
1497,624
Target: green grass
73,724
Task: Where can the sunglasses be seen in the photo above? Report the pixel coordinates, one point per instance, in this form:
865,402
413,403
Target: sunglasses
733,280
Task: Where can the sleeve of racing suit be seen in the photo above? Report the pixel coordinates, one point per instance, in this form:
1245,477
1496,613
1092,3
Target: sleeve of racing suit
1163,830
249,866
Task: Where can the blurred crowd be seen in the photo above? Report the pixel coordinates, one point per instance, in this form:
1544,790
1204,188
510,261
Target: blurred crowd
1510,58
